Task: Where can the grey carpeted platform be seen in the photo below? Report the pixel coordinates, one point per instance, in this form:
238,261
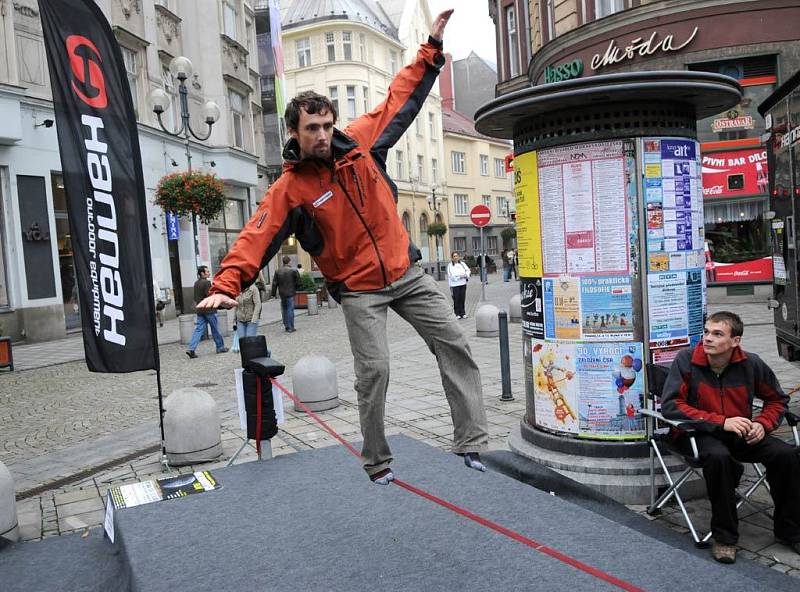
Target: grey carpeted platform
312,521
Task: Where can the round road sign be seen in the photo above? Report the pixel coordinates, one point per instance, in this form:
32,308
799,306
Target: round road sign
480,215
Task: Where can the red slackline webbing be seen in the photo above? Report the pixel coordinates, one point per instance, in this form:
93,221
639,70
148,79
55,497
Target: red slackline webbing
544,549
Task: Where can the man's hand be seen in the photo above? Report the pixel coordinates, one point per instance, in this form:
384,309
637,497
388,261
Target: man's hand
756,433
216,301
439,23
738,425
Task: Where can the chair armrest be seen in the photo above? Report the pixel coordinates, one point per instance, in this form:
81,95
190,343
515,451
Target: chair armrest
791,418
675,423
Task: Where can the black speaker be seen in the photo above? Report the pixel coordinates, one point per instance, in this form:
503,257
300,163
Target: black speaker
252,347
269,423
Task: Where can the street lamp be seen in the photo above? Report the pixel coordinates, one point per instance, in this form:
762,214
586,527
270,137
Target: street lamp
434,203
181,68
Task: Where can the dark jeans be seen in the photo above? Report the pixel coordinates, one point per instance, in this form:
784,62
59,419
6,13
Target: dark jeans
287,312
718,456
459,294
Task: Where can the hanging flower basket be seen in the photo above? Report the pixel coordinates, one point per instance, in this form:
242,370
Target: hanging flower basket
187,193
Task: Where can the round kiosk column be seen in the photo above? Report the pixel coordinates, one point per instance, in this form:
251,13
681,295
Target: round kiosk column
607,181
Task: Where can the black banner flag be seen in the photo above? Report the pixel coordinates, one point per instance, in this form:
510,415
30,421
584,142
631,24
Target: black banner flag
102,170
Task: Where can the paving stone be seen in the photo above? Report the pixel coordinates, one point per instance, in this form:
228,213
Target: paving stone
75,495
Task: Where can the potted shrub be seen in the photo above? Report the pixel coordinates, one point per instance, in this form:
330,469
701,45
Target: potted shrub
187,193
307,286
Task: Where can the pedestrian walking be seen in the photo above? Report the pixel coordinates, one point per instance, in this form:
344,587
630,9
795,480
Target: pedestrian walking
511,256
248,312
457,277
205,317
336,197
285,283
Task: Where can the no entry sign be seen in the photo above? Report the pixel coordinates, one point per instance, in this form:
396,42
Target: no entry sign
480,215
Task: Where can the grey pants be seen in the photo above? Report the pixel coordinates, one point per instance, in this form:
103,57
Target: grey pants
417,299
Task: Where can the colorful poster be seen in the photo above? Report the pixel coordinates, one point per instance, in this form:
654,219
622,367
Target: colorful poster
694,301
667,303
532,307
529,236
567,308
549,309
611,382
555,388
606,308
584,212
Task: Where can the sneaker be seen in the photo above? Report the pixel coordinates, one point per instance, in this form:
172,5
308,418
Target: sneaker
466,316
191,354
473,461
383,477
292,330
723,553
222,351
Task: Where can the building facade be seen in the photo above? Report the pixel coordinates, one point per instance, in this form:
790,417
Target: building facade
755,42
38,302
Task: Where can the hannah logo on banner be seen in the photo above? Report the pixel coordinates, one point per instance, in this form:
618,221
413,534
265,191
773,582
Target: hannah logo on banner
99,147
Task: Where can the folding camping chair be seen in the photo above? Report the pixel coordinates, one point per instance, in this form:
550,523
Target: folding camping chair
661,444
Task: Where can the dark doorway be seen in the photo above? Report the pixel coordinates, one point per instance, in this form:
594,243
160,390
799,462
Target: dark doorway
175,271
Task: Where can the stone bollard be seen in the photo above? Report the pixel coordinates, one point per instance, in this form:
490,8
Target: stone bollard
486,322
191,427
9,527
515,309
313,306
186,323
314,383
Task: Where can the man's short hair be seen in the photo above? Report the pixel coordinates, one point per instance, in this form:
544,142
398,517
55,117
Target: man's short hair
729,318
286,259
201,269
312,103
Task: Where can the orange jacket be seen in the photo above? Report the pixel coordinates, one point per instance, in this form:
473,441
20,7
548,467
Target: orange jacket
344,215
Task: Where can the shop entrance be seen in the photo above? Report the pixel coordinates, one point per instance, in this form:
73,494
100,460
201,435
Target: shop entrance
66,263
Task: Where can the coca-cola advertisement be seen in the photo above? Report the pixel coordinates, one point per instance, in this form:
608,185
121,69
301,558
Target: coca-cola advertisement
734,174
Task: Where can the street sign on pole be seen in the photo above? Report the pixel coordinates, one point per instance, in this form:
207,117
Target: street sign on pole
480,215
484,275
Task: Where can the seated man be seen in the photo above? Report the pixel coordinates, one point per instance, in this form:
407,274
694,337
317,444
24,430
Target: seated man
712,387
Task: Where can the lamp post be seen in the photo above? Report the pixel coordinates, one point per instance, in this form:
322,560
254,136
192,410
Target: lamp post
181,68
434,203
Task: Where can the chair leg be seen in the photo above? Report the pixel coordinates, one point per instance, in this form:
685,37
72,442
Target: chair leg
744,498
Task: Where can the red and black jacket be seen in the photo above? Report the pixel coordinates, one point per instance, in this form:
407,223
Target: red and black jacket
343,213
693,393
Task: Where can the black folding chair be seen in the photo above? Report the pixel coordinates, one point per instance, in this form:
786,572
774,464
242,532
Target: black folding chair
661,444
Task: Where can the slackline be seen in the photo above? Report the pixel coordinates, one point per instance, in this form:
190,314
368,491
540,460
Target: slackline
544,549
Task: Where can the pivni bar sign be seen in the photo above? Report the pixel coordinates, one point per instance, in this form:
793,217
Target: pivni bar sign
639,46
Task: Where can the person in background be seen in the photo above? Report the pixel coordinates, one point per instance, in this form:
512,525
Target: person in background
160,304
248,312
457,278
285,283
205,317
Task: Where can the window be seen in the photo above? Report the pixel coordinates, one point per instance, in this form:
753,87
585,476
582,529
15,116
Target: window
351,102
607,7
392,62
250,39
168,4
423,225
487,200
333,95
331,45
229,19
499,167
223,230
237,103
461,204
459,162
407,222
365,93
484,165
418,125
347,45
399,164
460,244
434,170
548,19
421,168
491,245
131,60
303,47
513,43
432,125
168,82
502,206
476,245
362,47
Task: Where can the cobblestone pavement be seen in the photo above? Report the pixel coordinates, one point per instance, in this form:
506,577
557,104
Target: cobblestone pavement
69,435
